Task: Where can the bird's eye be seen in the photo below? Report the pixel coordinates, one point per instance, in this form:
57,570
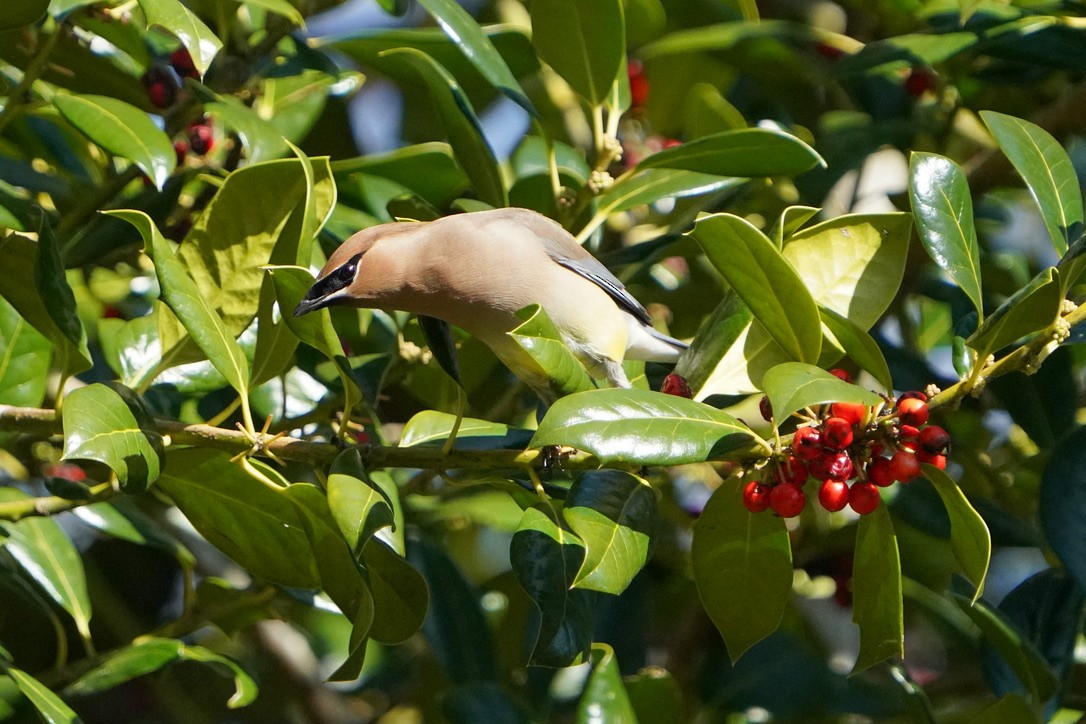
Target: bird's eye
344,275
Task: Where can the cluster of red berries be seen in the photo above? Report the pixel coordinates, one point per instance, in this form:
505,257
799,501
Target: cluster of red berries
163,80
850,443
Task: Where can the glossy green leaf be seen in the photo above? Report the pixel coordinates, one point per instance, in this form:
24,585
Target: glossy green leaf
431,427
548,357
791,220
47,555
615,515
858,345
279,7
1029,310
969,536
604,699
640,426
184,299
428,169
461,125
25,355
583,41
1047,170
23,12
261,138
1017,651
546,560
175,18
122,130
792,386
148,655
101,424
743,152
48,705
463,30
943,210
1062,503
359,507
652,185
766,282
876,590
241,516
742,565
128,523
400,594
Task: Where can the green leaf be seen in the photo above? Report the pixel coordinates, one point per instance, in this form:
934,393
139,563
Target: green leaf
461,125
640,426
148,655
122,130
48,556
1062,503
279,7
359,507
400,594
477,48
23,12
1029,310
876,590
176,19
1047,171
969,536
615,515
742,565
260,137
604,698
548,358
744,152
546,560
791,220
1012,708
858,345
127,523
1017,650
654,695
181,295
48,705
583,41
248,521
943,210
101,424
766,282
791,386
432,427
652,185
428,169
24,359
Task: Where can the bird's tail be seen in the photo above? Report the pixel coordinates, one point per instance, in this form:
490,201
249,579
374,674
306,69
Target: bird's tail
645,343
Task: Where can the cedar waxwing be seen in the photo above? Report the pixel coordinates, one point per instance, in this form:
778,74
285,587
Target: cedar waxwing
475,270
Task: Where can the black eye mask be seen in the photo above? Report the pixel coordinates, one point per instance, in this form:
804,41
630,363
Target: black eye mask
317,296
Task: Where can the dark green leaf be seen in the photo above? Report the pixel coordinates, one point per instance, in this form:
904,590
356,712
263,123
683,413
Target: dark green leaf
615,515
583,41
876,590
1030,309
546,560
548,357
943,210
1063,503
744,152
428,169
461,125
151,654
48,705
23,12
439,338
400,594
742,565
1012,709
793,386
858,345
125,522
477,48
604,698
26,356
969,536
640,426
122,130
654,695
766,282
100,424
175,18
48,556
359,507
1047,171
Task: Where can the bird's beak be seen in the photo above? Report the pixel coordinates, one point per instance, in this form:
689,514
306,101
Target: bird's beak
310,302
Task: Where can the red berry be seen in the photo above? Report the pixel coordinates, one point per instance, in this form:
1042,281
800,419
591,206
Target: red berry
182,63
807,443
853,412
912,395
65,471
201,138
639,84
181,148
792,470
841,374
907,436
836,433
912,411
919,82
863,497
787,500
934,439
360,437
676,385
904,466
161,85
838,465
756,497
672,142
765,408
935,459
878,472
833,495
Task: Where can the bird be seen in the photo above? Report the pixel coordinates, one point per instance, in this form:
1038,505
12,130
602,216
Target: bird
475,270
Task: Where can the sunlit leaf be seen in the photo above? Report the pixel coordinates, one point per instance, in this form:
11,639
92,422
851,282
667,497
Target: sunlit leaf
604,698
793,386
548,357
969,536
48,705
26,355
743,152
175,18
584,42
359,507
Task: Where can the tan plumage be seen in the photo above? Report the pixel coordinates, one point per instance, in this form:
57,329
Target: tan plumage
476,270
